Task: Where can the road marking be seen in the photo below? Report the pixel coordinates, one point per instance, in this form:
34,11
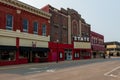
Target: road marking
112,75
33,68
33,72
50,70
38,68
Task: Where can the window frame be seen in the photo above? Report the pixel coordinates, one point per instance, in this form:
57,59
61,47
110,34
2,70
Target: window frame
60,55
25,30
35,32
7,26
44,29
76,55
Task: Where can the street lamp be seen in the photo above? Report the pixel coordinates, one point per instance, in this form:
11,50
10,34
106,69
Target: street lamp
57,51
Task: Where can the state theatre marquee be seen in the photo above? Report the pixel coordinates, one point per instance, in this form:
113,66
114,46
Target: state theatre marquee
82,45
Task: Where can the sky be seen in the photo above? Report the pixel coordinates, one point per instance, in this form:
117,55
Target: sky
102,15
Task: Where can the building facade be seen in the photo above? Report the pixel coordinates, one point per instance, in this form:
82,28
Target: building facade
79,35
59,48
24,33
70,33
112,48
28,34
97,45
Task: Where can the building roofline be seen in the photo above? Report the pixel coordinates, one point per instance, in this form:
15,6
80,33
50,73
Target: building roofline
112,42
97,33
26,7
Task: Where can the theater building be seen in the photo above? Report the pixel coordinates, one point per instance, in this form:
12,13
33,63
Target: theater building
97,45
79,35
60,50
69,35
24,33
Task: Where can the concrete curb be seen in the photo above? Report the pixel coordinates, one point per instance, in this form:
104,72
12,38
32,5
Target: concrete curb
40,64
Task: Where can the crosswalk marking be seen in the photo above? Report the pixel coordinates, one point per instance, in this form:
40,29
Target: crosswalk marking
110,72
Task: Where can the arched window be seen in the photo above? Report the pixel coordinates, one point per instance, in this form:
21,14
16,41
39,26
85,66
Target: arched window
75,29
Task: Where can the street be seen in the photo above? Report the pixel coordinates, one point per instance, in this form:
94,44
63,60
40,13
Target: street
94,69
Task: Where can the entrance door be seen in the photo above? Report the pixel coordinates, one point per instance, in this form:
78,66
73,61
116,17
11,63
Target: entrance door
68,56
54,56
82,55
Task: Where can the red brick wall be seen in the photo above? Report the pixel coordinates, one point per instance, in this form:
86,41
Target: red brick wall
94,34
5,9
46,8
75,17
85,28
97,44
17,19
59,27
75,30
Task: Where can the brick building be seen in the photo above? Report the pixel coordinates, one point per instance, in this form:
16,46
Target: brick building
79,35
24,33
72,33
59,47
28,34
97,45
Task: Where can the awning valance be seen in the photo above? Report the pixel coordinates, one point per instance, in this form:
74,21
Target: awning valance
34,49
8,47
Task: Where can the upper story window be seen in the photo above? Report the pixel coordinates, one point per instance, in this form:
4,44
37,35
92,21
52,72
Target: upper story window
25,25
75,29
35,27
9,22
44,30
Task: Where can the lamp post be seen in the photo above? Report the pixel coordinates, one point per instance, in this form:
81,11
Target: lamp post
57,51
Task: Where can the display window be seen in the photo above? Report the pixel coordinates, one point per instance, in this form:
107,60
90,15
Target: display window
61,55
76,55
7,55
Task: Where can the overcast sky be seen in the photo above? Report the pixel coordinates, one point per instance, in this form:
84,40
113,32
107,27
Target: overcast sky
103,15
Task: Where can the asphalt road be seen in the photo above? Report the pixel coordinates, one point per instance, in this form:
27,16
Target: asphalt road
34,69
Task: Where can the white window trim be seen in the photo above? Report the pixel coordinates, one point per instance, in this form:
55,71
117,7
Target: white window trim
8,27
35,32
44,34
26,30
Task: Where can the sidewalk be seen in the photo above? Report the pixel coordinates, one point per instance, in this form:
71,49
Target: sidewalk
32,65
23,65
43,64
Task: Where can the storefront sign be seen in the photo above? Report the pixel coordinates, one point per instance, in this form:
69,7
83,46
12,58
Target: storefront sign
83,45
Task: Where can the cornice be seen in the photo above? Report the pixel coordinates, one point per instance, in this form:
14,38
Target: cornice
26,7
58,12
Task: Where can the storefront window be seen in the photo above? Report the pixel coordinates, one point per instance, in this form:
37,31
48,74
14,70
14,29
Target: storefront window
43,54
76,55
36,55
7,55
61,55
23,54
85,54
